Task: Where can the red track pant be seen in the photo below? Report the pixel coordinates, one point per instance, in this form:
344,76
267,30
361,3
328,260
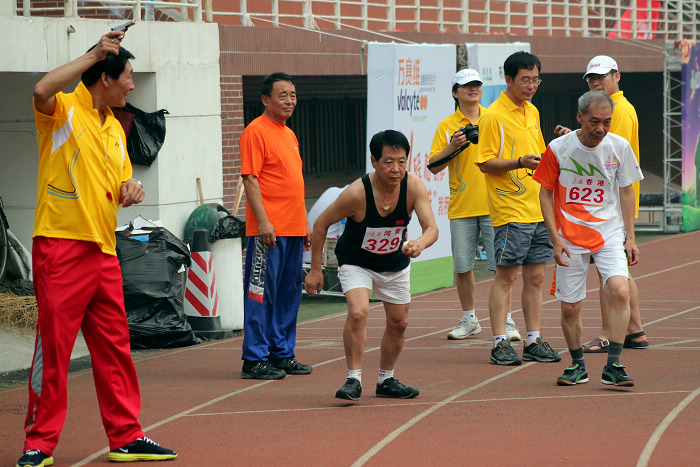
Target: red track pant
77,286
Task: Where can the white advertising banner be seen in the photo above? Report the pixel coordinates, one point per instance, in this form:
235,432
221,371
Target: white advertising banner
488,60
409,90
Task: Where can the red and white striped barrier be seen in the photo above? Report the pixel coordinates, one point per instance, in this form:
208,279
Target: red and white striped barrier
201,297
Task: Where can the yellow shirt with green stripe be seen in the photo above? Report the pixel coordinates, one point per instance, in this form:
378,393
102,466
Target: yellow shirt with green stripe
467,185
82,164
507,131
624,123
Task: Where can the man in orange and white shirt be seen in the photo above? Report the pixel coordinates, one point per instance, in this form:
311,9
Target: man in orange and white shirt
588,205
603,74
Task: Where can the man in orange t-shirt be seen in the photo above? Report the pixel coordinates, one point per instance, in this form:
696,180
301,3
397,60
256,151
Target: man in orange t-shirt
278,232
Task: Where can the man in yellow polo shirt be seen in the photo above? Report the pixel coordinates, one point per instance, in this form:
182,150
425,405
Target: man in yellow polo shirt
84,175
510,145
468,209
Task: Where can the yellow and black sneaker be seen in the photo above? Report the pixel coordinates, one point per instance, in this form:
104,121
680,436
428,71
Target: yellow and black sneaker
34,458
143,449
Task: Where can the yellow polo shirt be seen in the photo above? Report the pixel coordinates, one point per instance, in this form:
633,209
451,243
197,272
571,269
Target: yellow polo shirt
82,164
467,185
624,123
506,131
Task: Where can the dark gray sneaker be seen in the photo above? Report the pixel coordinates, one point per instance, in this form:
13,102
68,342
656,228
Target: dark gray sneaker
504,354
392,388
615,374
351,390
261,370
540,351
290,366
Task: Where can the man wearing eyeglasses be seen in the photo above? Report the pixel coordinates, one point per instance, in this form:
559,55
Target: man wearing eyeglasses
510,145
603,74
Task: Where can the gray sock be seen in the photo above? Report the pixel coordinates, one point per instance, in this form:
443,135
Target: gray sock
577,357
614,352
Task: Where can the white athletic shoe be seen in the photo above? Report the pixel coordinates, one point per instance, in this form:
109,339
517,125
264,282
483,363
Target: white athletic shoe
465,328
512,333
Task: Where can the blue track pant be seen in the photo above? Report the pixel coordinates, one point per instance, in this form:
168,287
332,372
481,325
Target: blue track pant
272,293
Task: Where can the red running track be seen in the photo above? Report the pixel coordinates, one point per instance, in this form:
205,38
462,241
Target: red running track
469,412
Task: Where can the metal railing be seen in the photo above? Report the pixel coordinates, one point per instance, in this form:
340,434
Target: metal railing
638,19
184,10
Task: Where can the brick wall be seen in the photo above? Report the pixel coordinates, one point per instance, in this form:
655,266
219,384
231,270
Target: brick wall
231,127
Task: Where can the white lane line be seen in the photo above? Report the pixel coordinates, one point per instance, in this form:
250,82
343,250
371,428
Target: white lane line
415,403
393,435
94,456
672,316
675,343
397,432
661,428
667,270
336,315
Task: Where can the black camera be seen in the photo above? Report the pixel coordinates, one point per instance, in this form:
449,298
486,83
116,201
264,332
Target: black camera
471,132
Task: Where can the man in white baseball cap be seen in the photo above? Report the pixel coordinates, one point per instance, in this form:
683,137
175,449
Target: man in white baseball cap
603,74
468,208
600,65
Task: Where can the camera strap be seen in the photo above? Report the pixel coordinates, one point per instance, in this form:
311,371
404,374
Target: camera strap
449,157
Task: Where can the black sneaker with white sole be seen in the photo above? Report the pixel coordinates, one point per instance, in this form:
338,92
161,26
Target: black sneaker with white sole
261,370
143,449
575,374
615,374
290,366
392,388
34,458
351,390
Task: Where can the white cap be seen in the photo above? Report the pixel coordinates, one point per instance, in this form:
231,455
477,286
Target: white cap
600,65
465,76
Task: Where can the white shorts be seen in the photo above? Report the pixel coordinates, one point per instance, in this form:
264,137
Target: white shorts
571,281
390,287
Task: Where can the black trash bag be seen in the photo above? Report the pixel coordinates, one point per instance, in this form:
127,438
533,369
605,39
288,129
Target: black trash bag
228,226
154,270
145,132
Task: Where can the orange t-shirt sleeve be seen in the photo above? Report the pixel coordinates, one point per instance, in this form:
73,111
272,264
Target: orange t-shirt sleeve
252,153
547,172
